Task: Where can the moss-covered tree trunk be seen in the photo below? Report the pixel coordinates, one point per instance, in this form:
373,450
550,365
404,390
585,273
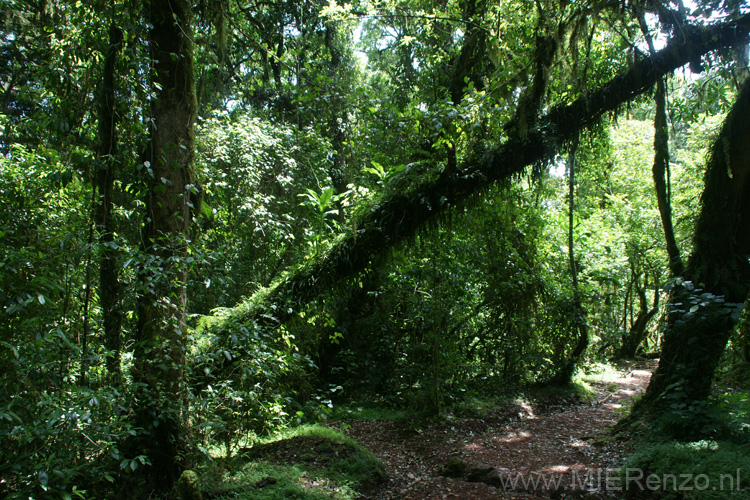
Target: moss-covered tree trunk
660,169
705,308
161,335
661,177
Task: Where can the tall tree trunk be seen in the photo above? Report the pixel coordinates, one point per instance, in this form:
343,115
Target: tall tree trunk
660,169
161,335
661,177
565,373
705,309
105,177
87,307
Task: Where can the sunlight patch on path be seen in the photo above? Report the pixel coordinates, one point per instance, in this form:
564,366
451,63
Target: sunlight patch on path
514,437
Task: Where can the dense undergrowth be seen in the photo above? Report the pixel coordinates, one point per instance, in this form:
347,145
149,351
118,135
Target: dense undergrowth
705,469
312,461
321,463
254,390
345,239
712,460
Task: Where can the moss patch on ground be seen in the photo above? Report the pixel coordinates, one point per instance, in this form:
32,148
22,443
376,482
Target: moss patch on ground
307,463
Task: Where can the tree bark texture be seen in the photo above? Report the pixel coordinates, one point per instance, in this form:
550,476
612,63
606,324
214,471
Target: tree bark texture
105,176
472,53
161,334
660,169
704,310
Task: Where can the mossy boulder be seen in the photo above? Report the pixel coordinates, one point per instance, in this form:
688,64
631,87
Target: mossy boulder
189,486
478,472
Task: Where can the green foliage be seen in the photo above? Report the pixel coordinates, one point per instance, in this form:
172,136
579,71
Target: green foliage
456,311
316,431
600,373
323,211
354,412
383,176
695,470
291,482
62,444
735,414
311,118
245,383
253,174
58,439
43,230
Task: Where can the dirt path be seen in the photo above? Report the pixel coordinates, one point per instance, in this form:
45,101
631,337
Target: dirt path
522,452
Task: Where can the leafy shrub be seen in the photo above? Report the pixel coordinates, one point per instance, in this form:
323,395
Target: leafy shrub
61,441
246,382
252,172
735,408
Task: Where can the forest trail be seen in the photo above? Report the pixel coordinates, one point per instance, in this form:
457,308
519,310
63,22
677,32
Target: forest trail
537,451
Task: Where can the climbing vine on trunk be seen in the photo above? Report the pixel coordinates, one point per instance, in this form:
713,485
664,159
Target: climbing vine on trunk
171,196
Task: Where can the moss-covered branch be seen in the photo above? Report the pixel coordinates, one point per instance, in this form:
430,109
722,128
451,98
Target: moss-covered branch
398,216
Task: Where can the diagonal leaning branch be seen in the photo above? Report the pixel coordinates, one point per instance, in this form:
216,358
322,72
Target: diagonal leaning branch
397,217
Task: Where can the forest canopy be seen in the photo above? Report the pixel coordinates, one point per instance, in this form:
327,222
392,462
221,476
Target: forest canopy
224,218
